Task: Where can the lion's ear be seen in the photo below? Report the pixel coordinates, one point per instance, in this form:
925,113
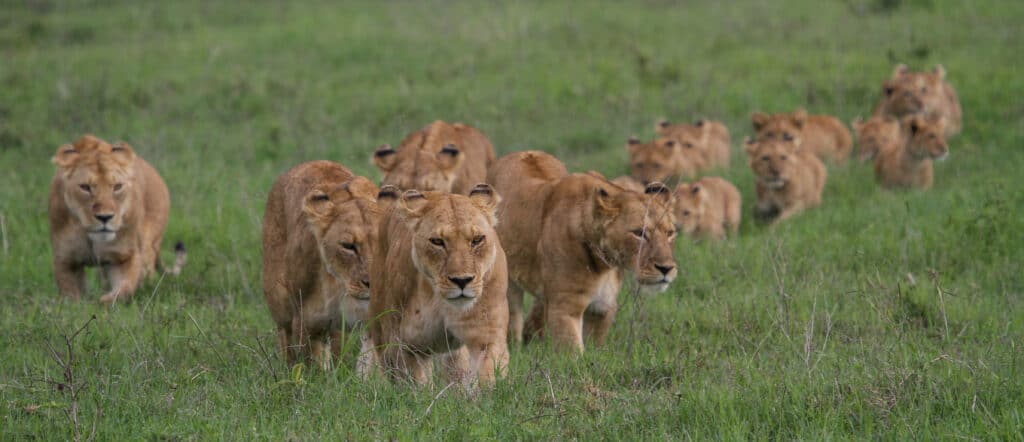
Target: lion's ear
901,69
661,125
318,209
385,158
759,119
604,203
66,156
800,117
749,145
387,195
597,175
123,152
485,198
359,187
939,71
413,203
450,157
659,193
632,144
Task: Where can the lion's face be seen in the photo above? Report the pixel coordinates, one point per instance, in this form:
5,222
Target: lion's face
774,162
344,221
420,168
927,137
98,178
639,232
783,127
454,241
653,162
689,206
908,93
875,135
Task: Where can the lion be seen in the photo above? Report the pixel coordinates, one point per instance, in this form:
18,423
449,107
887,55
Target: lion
567,235
823,135
789,179
629,183
708,208
108,208
439,285
662,159
443,157
921,93
876,135
319,233
909,165
710,138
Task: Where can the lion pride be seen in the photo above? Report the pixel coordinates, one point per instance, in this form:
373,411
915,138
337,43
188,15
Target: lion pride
823,135
921,93
909,165
788,178
108,208
319,233
710,138
566,236
439,285
442,156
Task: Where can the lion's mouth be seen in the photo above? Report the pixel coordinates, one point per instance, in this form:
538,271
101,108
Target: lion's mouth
775,183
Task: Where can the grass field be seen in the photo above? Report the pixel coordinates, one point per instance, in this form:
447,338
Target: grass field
882,315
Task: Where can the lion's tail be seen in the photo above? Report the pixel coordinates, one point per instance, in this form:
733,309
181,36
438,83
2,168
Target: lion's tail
180,257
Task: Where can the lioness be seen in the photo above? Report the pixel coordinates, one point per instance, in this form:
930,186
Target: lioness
823,135
444,157
108,207
439,282
876,135
566,236
921,93
710,138
662,159
909,165
319,232
708,208
789,178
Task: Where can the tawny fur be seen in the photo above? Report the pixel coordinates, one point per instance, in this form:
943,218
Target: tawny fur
567,237
788,178
708,208
921,93
822,135
319,231
95,180
663,160
440,279
441,156
876,135
710,138
909,165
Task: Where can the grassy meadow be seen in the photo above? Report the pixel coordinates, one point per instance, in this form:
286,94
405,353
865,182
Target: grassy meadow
879,315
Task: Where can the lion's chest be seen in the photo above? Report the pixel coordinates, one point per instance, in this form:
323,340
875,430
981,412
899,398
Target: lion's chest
423,325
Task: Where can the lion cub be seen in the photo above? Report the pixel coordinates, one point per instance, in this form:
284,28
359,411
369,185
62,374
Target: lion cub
567,237
910,164
108,208
708,208
710,138
789,179
439,282
822,135
662,159
921,93
319,232
444,157
876,135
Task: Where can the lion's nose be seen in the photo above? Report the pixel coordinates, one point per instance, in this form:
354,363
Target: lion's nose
104,217
461,281
664,269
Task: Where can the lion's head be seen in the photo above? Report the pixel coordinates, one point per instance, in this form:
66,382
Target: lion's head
875,135
927,137
454,243
774,161
691,200
637,232
98,178
908,92
344,220
782,126
659,160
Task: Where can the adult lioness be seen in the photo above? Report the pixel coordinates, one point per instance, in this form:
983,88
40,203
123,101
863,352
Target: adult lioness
823,135
921,93
566,235
319,232
444,157
108,208
439,282
710,138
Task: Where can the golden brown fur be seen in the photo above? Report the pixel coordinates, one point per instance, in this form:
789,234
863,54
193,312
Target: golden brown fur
566,236
822,135
921,93
708,208
107,207
440,279
319,232
909,165
710,138
444,157
662,159
876,135
789,179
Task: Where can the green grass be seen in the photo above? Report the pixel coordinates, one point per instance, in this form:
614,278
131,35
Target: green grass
829,326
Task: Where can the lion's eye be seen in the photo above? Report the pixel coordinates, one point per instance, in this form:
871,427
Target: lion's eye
782,157
686,213
638,166
639,233
118,187
348,246
688,145
924,89
477,240
85,188
766,158
437,242
787,136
